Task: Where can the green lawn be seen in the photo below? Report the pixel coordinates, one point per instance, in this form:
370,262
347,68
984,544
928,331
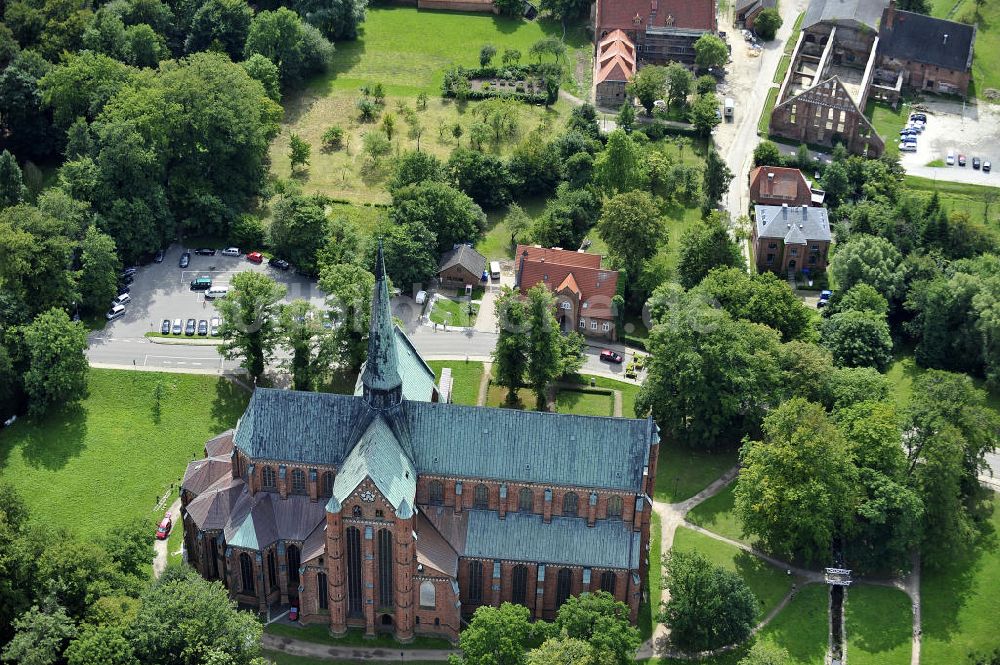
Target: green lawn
782,68
454,312
111,458
584,403
879,625
628,390
649,610
961,603
981,203
320,634
465,378
904,371
794,36
716,514
497,396
768,583
887,123
681,473
765,116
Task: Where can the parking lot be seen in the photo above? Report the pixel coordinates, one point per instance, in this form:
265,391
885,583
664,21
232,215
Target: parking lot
971,129
162,291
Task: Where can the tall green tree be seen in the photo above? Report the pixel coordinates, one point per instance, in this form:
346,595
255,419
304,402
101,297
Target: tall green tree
249,327
12,189
647,85
767,23
709,606
414,168
35,252
411,257
705,114
313,347
871,260
679,82
349,289
858,339
57,366
710,51
338,20
603,622
297,48
716,180
99,268
763,653
298,151
544,343
797,486
450,214
761,298
706,246
40,635
633,228
626,117
219,24
497,636
510,357
619,167
298,230
101,645
561,651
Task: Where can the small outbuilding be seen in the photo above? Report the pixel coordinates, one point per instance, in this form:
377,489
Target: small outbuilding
460,266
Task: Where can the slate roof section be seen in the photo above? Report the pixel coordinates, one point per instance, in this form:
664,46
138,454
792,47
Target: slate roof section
777,222
221,445
620,14
563,541
433,549
932,41
203,473
264,518
867,12
745,7
211,509
527,446
379,456
418,377
315,543
465,256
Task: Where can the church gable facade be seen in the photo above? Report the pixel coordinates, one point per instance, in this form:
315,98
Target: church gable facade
392,511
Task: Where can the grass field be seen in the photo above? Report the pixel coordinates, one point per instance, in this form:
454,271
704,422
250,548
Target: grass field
716,514
649,610
887,123
113,456
681,473
465,375
628,390
878,625
765,115
981,203
584,404
767,582
454,312
960,602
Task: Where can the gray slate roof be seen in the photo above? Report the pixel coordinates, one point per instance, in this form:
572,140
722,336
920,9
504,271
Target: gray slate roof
565,540
922,39
778,221
418,378
449,439
264,518
379,456
465,256
867,12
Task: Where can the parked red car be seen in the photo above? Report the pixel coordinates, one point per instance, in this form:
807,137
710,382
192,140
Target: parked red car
610,356
255,257
293,613
163,530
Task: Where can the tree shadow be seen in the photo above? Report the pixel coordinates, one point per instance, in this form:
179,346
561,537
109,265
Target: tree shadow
877,634
230,402
52,442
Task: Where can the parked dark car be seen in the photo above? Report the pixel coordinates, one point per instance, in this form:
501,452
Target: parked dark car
280,264
203,327
126,279
165,327
610,356
190,327
185,260
123,289
129,272
158,258
961,160
976,163
205,251
987,166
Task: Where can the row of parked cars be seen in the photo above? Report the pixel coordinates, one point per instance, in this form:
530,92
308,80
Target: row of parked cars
123,298
908,135
234,252
950,160
192,327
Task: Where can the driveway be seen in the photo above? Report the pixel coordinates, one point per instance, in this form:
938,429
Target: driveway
971,129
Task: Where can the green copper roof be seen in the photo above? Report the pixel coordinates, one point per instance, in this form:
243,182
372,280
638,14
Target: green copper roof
381,374
565,540
378,456
418,378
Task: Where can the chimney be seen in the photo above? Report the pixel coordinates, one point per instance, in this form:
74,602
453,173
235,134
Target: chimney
770,176
890,15
945,39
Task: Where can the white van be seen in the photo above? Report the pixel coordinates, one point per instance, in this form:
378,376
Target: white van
495,269
729,107
217,292
123,299
116,312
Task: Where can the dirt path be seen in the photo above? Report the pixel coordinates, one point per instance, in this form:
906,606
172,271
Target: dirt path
303,649
160,547
484,384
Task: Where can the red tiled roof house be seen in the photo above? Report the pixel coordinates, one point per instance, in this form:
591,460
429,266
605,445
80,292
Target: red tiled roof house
777,185
615,67
583,289
662,30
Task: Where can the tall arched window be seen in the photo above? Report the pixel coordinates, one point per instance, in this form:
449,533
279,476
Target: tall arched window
436,492
608,582
293,565
570,502
246,573
526,500
563,584
267,478
323,591
272,571
354,600
356,511
328,483
519,584
481,497
615,507
384,568
298,481
475,581
428,595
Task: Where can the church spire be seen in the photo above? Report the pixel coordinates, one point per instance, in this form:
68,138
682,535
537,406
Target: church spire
382,384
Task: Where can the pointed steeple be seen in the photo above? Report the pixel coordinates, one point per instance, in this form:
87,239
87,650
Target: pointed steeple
382,383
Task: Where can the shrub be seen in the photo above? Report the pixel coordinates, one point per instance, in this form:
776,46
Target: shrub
367,109
248,231
333,138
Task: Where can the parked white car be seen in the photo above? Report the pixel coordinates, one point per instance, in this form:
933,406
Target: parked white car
231,251
950,159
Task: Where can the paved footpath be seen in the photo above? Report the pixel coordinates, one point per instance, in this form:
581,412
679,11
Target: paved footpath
295,647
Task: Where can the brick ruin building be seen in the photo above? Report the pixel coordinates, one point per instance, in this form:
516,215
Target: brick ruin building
393,510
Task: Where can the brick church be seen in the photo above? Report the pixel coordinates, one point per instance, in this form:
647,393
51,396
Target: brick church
392,510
